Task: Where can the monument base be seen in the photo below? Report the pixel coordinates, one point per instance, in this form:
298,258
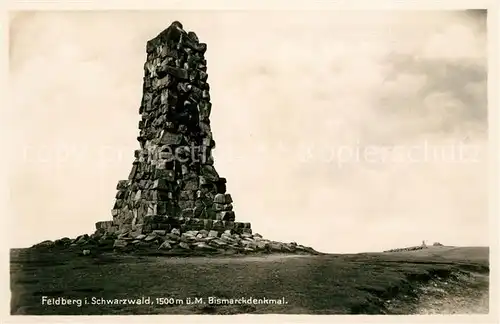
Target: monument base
166,223
174,234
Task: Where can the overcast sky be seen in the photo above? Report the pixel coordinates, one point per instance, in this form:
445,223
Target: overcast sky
321,121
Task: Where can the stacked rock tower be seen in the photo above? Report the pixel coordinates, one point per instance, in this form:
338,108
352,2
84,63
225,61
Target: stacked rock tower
173,182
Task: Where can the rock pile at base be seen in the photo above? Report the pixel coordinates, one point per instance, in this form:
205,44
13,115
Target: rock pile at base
174,242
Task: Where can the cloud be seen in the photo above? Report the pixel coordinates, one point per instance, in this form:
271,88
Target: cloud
462,44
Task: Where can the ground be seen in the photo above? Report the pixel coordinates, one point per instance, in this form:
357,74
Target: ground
434,280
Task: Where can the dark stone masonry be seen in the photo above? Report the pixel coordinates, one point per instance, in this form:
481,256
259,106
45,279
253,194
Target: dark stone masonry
173,182
174,199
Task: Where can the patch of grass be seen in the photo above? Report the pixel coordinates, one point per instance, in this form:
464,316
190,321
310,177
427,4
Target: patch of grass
322,284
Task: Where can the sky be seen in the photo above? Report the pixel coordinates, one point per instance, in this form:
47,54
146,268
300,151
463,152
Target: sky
345,131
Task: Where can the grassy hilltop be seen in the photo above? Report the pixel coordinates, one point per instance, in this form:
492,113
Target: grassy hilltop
432,280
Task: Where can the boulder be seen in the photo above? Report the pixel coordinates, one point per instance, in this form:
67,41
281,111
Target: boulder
165,246
276,246
249,243
169,138
150,237
191,233
119,243
209,173
124,235
218,242
213,234
82,239
144,244
46,243
204,246
219,199
300,248
173,237
105,241
227,238
63,241
227,198
189,236
226,215
288,248
262,245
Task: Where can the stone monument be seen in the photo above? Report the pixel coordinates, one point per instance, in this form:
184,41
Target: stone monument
173,182
174,200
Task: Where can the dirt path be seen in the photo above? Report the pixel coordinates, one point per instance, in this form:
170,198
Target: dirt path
225,259
468,295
